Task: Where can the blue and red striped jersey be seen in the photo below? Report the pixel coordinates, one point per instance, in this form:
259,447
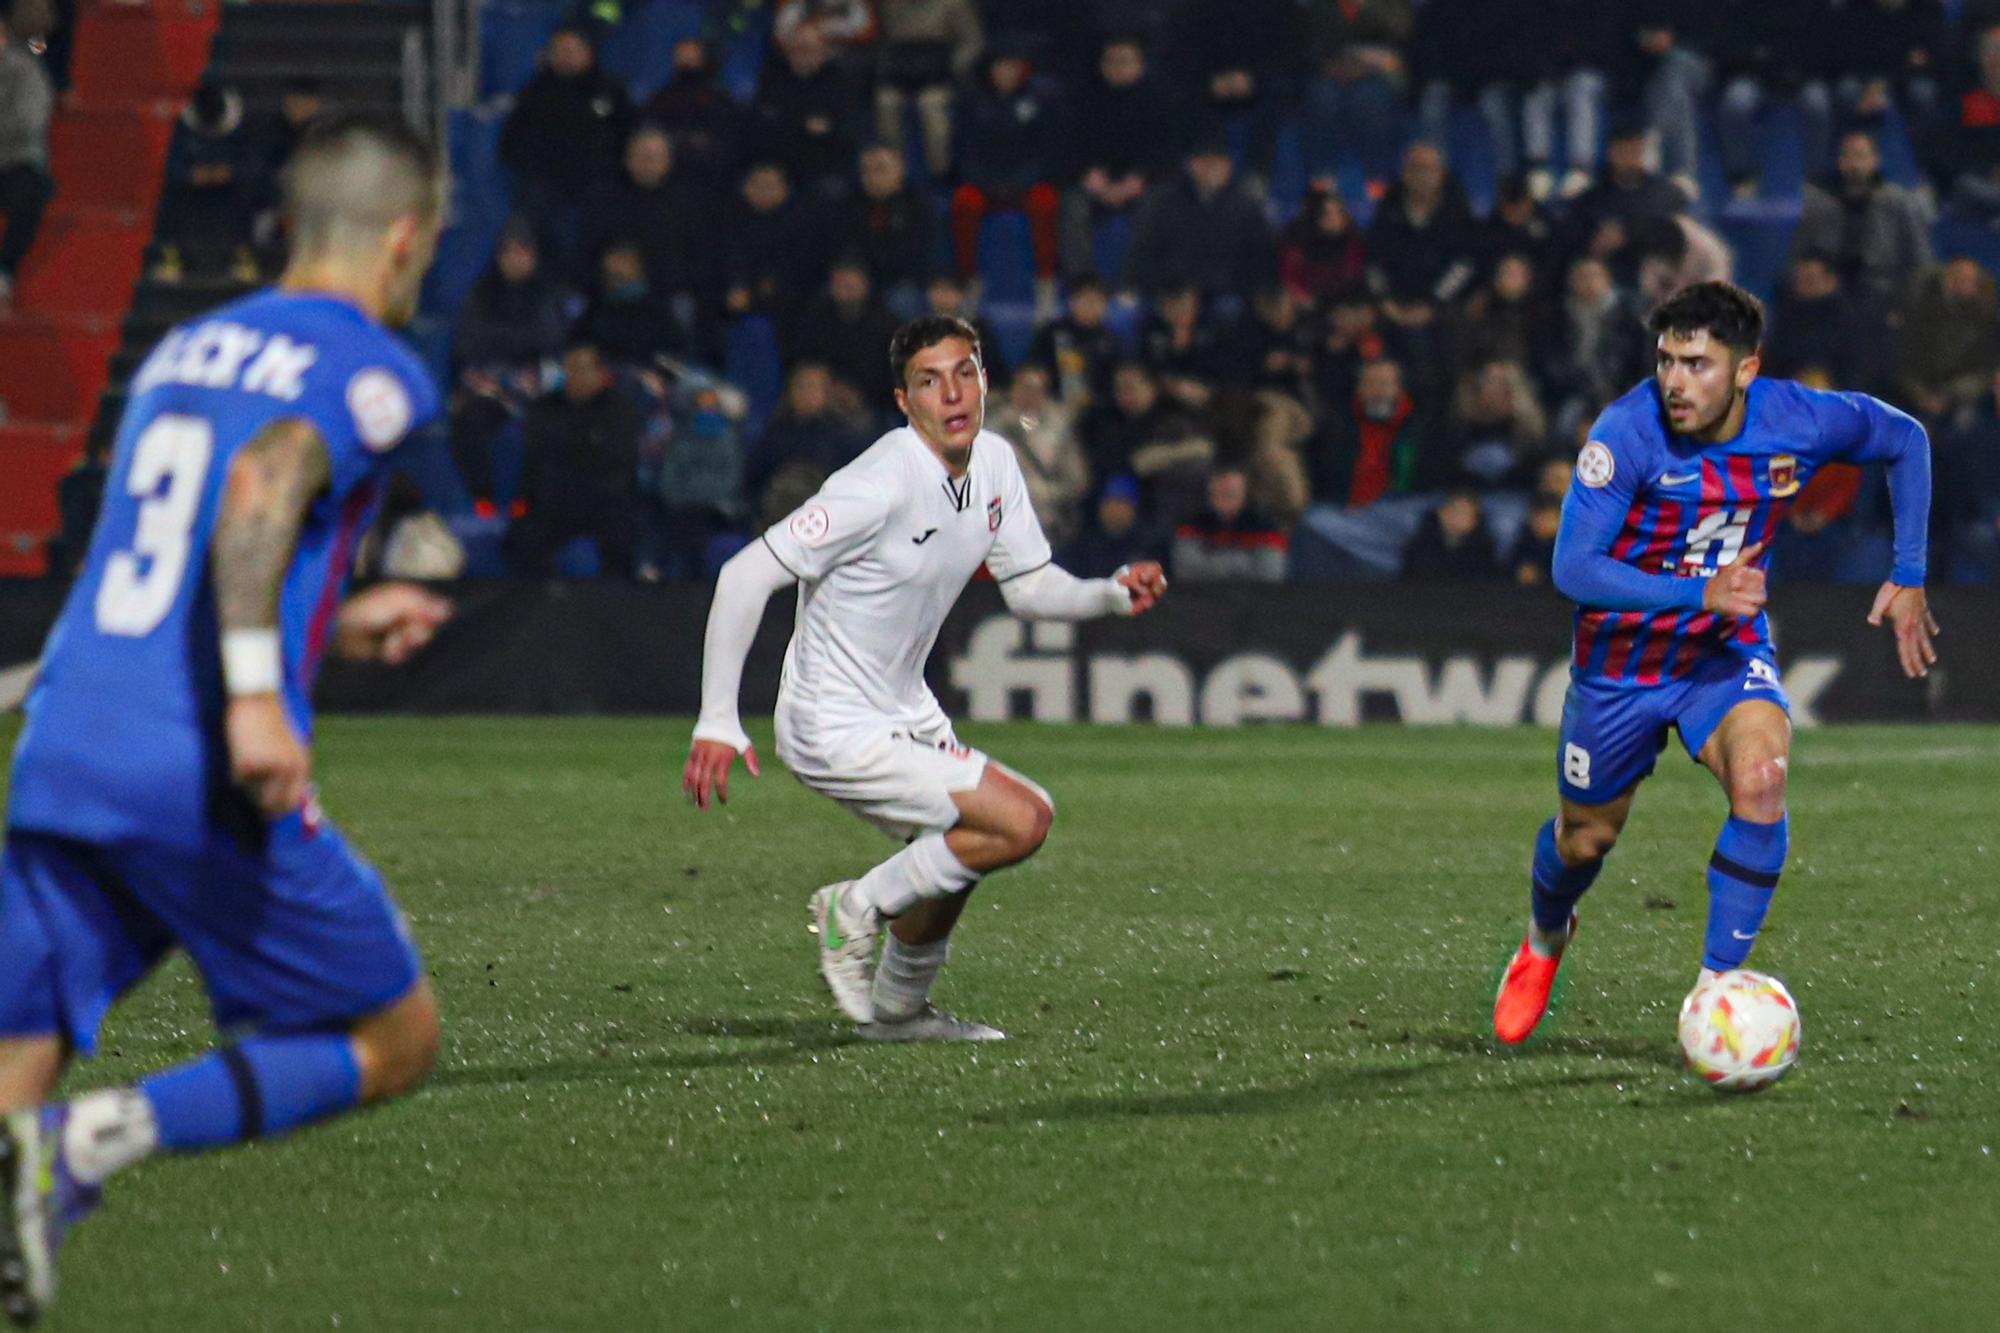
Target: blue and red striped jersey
1651,515
124,734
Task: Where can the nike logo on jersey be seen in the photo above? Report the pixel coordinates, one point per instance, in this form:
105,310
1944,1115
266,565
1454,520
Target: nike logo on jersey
1669,479
928,534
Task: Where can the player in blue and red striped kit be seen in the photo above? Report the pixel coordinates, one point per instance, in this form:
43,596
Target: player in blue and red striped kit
160,794
1662,547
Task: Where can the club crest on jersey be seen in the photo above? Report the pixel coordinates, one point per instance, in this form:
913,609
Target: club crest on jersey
1784,475
993,514
1594,466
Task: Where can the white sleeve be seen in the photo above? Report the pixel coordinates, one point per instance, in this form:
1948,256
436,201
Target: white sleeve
833,527
1049,592
745,584
1019,544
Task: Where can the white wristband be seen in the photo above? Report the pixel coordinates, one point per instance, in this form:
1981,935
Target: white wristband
251,661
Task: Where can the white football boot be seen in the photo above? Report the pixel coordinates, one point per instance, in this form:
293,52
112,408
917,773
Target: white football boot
847,932
930,1023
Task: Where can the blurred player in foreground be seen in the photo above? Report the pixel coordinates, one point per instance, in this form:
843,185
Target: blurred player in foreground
1662,546
881,554
161,793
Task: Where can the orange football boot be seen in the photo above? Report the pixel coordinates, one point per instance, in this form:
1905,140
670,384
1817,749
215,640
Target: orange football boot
1524,991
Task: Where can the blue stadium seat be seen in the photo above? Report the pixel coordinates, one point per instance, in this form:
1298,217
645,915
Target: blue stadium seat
1760,232
641,49
1953,237
579,559
720,547
512,34
1288,174
1107,246
1013,325
751,362
743,59
1006,257
482,539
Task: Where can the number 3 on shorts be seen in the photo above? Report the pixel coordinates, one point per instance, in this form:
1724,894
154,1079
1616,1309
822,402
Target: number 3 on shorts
1576,765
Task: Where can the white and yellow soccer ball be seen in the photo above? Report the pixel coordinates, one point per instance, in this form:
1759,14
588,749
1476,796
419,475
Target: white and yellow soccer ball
1740,1031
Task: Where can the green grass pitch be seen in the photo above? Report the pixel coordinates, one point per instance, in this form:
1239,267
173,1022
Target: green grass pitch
1249,1083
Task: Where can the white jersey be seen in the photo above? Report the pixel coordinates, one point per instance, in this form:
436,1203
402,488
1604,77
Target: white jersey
881,554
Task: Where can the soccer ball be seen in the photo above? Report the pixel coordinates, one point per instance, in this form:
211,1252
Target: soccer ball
1740,1031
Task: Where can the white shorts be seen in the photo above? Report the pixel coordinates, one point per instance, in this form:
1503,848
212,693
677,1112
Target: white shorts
899,782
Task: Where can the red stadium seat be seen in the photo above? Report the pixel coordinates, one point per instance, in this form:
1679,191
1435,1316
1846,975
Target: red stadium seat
108,154
53,367
33,459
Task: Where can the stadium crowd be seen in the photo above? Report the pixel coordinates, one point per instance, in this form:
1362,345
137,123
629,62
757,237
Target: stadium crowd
1382,379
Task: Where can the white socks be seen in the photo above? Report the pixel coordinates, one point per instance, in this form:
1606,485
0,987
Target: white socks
903,978
924,869
108,1131
1547,943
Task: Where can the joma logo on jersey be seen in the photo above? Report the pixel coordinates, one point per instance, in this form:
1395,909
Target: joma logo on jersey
993,514
1784,475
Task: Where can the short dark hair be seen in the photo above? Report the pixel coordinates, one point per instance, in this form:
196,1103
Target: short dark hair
1722,310
928,331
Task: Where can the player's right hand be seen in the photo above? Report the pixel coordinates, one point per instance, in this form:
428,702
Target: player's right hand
708,766
266,757
1737,589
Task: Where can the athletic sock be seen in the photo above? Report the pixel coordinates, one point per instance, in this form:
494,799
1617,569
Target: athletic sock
1742,878
1554,890
904,975
257,1088
924,869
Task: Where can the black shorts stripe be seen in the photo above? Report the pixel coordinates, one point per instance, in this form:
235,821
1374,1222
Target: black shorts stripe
1762,879
249,1098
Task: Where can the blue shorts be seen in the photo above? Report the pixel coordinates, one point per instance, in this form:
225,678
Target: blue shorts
298,935
1613,731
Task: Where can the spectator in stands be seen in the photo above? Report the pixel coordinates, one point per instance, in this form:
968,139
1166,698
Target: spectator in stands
806,439
699,486
1126,132
1142,432
1631,194
511,326
1497,431
1349,338
1369,442
1971,153
407,540
211,190
1670,254
774,253
848,330
1354,105
1278,346
1202,229
1601,345
1765,52
809,111
1950,342
1888,56
27,101
567,129
627,321
1518,224
1818,329
1184,351
1504,318
1227,540
1247,58
1077,349
1421,249
1654,75
1453,542
274,135
926,49
894,228
1044,434
671,219
706,124
846,25
1011,132
1535,553
1967,483
1321,254
1877,233
947,295
1116,536
580,478
79,495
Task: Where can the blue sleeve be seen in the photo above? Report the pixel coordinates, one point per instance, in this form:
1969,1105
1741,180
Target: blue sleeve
380,397
1593,512
1856,428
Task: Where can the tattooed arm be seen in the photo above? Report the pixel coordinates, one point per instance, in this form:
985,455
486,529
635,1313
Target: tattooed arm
272,483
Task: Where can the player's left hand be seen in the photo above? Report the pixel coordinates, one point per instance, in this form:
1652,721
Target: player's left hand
708,768
389,622
1147,583
1909,613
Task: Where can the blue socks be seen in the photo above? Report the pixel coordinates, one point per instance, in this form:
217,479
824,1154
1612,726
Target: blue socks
1557,886
1742,875
260,1087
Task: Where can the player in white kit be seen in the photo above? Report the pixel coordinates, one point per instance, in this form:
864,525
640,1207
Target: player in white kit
880,555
